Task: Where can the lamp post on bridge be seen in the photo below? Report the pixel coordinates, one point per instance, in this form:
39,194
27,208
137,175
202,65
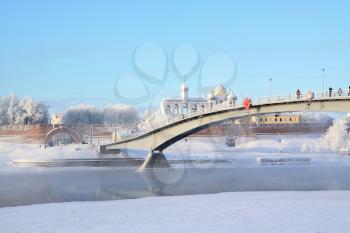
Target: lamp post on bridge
270,81
323,90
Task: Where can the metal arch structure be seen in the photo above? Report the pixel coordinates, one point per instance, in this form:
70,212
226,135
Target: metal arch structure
62,129
160,138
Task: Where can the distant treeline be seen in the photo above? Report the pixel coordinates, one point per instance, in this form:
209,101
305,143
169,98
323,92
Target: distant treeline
110,115
25,111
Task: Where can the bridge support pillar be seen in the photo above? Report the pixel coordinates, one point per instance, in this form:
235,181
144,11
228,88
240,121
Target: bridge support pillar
102,150
155,159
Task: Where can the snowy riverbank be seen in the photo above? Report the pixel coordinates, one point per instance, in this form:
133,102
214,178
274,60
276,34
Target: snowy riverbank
326,212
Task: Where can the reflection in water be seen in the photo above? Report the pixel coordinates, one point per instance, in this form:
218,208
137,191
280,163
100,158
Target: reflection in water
21,186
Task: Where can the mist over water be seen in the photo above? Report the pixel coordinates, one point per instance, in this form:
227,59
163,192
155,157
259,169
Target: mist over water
30,185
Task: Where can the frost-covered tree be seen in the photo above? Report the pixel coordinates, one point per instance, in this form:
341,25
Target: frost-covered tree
120,114
149,112
22,111
337,135
83,114
13,110
152,118
26,111
110,115
3,111
40,113
337,138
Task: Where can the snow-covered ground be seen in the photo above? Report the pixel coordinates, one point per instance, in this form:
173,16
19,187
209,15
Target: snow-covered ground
17,151
287,212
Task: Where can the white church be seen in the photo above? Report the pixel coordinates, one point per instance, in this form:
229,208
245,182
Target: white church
184,104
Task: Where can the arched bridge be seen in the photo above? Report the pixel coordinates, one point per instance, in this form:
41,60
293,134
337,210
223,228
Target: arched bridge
76,136
159,138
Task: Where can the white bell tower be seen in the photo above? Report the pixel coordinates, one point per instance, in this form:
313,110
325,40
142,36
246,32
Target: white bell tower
184,91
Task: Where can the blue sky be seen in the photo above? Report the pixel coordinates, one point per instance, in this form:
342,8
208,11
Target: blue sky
71,52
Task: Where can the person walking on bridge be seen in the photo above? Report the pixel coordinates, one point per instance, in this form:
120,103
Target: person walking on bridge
349,91
340,92
298,94
330,89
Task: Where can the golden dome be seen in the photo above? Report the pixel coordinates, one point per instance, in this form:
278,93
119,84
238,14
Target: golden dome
220,91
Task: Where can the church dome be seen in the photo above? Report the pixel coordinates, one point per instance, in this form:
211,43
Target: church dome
220,91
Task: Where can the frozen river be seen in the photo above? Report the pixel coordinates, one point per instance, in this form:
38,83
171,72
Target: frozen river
21,186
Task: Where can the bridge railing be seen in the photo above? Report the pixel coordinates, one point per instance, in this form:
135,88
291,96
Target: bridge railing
304,96
290,97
